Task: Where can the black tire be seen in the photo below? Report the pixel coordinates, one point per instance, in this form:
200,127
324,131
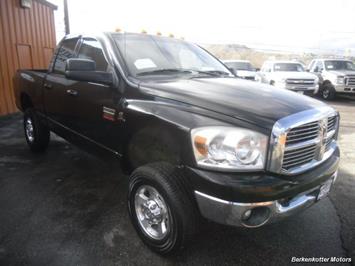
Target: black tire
182,209
39,139
328,92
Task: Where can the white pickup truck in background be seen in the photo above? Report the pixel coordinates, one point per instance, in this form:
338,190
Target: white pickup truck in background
288,75
336,76
241,68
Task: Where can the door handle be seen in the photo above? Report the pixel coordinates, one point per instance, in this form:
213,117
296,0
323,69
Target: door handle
47,86
72,92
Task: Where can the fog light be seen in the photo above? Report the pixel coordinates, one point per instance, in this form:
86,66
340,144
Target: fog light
246,215
256,217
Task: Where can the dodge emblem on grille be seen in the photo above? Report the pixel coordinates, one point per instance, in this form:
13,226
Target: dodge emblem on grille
322,137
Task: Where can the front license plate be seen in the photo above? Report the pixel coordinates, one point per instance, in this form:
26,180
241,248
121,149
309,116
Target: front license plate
300,92
324,189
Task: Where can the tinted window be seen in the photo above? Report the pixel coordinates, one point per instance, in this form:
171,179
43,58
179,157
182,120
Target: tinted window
66,51
91,49
291,67
339,65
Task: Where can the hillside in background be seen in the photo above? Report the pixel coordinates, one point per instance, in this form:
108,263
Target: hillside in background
257,57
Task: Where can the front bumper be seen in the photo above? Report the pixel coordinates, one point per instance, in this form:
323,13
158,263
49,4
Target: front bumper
225,197
259,213
347,89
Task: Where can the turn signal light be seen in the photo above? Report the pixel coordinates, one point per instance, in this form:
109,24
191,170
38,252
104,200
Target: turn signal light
200,144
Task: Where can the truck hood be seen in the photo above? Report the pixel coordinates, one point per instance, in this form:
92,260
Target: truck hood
256,103
293,75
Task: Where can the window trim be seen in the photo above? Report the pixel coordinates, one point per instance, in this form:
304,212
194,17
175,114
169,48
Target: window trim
60,45
80,43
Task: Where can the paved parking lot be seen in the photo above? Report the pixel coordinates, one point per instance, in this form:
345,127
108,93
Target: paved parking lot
68,208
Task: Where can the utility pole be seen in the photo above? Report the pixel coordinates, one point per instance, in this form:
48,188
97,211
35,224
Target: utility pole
66,17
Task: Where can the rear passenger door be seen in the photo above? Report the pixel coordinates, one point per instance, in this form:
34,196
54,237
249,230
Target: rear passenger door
58,106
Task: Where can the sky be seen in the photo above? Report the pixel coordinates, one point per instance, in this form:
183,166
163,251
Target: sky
292,25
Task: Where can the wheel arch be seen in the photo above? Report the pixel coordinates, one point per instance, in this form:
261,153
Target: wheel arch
155,137
157,141
327,82
159,131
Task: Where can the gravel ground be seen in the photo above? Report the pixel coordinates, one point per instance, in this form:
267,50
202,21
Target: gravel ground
67,207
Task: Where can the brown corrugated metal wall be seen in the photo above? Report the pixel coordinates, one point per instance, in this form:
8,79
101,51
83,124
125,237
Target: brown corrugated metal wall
27,40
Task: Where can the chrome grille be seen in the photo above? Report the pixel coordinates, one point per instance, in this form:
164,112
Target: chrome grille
300,81
303,133
327,143
297,157
350,80
331,131
303,143
291,153
331,123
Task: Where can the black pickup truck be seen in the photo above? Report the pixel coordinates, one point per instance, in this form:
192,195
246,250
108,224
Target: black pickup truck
196,141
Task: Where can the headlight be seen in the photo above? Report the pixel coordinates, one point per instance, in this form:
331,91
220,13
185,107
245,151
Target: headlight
229,148
316,80
340,80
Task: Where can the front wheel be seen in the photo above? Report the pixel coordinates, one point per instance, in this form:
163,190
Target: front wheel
328,92
37,134
161,208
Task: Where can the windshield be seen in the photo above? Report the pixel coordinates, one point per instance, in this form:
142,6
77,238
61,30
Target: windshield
240,66
339,65
292,67
151,55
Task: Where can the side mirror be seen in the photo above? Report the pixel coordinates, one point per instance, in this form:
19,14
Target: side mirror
257,69
85,70
307,70
80,64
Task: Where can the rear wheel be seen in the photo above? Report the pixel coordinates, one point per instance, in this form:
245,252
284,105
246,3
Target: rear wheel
37,135
328,92
161,208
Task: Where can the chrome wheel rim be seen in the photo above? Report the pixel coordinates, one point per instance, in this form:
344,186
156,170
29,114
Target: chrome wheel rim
152,212
29,130
325,93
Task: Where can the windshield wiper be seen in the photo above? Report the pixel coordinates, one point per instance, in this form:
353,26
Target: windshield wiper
164,71
214,73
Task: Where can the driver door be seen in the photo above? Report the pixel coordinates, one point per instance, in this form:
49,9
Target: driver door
96,104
